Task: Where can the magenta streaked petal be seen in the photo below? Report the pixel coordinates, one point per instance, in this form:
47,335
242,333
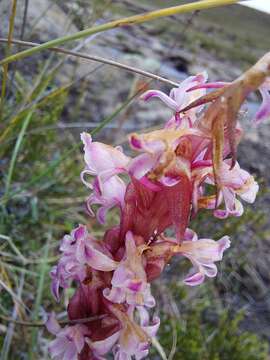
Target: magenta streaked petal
80,232
190,235
162,96
129,281
221,214
154,147
135,285
195,279
136,142
169,181
213,85
102,213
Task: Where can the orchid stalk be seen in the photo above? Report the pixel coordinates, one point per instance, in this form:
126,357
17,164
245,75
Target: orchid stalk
163,186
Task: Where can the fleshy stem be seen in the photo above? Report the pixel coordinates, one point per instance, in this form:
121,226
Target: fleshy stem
128,21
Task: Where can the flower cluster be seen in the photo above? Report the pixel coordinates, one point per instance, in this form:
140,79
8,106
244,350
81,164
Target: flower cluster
171,177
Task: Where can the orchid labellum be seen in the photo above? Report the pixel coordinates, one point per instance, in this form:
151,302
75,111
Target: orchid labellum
163,186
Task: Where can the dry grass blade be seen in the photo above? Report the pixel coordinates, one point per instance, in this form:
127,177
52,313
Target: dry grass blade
15,298
9,335
5,67
100,60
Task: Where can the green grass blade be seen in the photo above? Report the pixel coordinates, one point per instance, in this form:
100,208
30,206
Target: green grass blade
67,153
42,271
16,151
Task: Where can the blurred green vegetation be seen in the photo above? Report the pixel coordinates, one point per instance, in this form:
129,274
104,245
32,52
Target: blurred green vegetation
208,332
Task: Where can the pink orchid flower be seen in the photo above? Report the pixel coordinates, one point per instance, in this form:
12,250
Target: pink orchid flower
79,250
104,163
72,342
109,194
203,253
234,182
179,98
129,282
168,182
134,339
69,341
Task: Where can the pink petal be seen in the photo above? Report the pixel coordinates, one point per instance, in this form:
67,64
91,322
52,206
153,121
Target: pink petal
162,96
195,279
154,147
57,347
52,324
152,329
210,270
141,165
224,244
98,261
100,157
115,295
250,194
213,85
70,352
103,346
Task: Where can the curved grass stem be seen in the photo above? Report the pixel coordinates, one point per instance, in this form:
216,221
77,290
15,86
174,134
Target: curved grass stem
100,60
128,21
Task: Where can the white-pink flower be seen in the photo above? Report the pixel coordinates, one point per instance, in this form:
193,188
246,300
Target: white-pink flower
134,338
129,281
79,249
203,253
235,182
69,341
104,162
179,98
